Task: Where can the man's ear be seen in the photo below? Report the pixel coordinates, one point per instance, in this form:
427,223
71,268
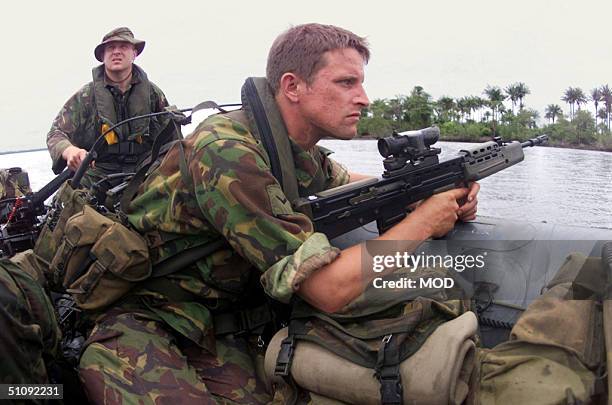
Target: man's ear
290,86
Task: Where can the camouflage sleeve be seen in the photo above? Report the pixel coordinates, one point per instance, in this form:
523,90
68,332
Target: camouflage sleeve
337,174
65,128
239,195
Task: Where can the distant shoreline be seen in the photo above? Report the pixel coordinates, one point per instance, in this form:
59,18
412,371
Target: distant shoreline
21,151
551,144
554,144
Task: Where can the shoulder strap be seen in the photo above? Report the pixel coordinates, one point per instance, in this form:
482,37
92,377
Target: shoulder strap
158,145
138,178
187,257
268,126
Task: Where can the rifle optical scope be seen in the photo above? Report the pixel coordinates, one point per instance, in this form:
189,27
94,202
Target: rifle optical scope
408,142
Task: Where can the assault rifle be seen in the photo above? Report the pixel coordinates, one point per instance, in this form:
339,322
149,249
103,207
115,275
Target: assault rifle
412,172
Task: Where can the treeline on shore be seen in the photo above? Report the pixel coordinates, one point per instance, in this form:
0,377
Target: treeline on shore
500,112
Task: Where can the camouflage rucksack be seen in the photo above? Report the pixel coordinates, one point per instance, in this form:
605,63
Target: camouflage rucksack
92,255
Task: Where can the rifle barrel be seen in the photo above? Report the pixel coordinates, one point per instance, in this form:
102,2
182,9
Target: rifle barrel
48,189
540,140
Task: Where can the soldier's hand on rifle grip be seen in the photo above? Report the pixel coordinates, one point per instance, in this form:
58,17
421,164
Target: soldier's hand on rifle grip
438,213
469,205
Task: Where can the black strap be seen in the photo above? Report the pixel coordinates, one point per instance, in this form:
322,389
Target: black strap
136,181
122,148
285,359
251,320
158,145
263,126
186,257
388,372
260,107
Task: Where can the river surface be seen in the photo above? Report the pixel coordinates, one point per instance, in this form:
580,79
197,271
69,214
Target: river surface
560,186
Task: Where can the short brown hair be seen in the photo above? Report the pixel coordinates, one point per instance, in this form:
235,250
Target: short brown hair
300,49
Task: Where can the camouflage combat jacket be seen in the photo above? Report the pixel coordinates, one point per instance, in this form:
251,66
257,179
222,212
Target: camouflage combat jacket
225,189
78,122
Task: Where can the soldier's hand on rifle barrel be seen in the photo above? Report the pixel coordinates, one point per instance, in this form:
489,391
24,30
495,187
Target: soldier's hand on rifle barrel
74,156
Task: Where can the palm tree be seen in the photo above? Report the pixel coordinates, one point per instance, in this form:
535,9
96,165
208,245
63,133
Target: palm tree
596,98
581,98
568,97
463,107
495,96
573,95
602,114
445,106
479,103
473,105
512,93
521,91
606,97
553,111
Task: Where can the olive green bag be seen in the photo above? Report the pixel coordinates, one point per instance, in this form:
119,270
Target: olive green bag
377,331
93,256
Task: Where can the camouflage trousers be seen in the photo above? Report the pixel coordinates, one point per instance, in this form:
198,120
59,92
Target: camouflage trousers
28,327
133,357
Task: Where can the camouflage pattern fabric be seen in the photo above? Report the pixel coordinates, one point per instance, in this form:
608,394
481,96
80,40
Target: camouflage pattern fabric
13,183
76,123
134,357
225,189
556,353
29,327
235,196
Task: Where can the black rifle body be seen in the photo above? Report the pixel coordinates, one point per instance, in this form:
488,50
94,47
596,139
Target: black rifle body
385,200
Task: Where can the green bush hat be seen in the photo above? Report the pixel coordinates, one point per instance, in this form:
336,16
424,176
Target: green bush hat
123,34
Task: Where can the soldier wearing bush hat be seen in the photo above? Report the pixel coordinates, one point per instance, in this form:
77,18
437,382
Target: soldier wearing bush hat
119,90
121,34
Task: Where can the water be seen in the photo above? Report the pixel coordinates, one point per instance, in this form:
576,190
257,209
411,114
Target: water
560,186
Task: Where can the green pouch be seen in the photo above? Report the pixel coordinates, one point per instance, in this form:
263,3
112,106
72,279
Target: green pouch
101,259
91,255
66,203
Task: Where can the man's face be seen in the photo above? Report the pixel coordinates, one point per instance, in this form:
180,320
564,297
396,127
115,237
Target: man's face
332,103
119,56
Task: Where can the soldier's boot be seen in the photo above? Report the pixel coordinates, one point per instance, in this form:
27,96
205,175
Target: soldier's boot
555,351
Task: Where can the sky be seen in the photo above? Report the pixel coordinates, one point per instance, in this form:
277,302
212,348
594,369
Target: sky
203,50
